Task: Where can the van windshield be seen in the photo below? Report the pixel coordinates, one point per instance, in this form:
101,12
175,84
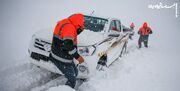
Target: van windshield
94,24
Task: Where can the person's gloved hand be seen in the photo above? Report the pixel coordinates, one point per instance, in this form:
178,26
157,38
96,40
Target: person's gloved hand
150,32
80,59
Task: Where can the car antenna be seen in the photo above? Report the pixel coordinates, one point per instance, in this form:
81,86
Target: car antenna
92,13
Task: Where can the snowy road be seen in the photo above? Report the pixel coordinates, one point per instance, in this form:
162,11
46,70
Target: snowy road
146,69
139,69
27,77
23,77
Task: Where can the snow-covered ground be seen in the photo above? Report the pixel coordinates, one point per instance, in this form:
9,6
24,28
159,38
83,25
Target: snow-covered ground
148,69
139,70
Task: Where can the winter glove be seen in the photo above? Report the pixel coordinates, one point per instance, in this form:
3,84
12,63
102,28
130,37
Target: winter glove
80,59
139,32
150,32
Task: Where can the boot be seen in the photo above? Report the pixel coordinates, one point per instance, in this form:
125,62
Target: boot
146,44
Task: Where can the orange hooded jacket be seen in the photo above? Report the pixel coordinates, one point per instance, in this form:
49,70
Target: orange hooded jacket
67,28
64,43
145,29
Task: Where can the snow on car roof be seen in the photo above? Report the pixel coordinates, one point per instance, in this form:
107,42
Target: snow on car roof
96,17
102,16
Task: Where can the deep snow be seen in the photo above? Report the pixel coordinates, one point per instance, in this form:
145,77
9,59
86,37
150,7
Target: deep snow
145,69
152,69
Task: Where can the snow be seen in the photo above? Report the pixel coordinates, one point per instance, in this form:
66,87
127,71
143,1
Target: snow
62,88
148,69
141,70
91,38
23,77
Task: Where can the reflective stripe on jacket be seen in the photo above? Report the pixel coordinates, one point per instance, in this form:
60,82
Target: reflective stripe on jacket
63,33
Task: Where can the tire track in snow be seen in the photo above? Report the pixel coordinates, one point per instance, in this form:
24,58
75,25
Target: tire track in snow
60,80
24,77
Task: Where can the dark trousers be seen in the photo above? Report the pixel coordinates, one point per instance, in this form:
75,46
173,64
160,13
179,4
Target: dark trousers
68,69
144,39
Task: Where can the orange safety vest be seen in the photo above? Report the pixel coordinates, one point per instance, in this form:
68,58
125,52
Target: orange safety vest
145,31
65,30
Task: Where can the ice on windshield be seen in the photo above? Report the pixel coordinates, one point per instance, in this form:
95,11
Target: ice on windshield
95,24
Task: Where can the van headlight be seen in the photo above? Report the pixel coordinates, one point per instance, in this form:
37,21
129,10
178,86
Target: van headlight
47,47
86,50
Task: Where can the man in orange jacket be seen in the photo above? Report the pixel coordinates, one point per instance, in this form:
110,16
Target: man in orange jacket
64,46
144,32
